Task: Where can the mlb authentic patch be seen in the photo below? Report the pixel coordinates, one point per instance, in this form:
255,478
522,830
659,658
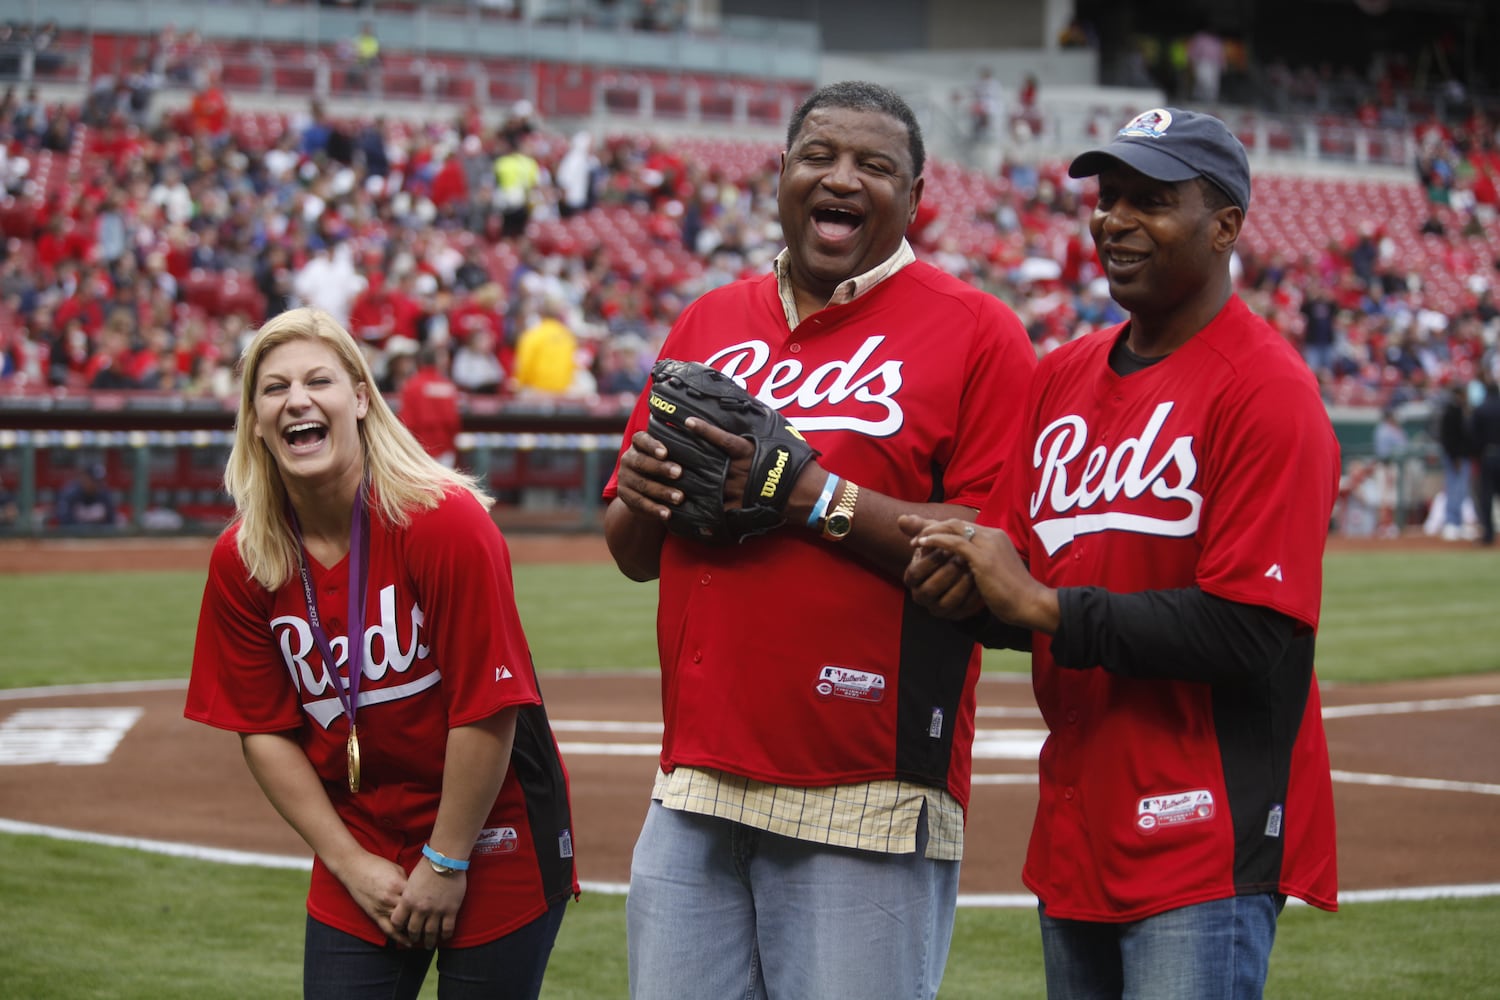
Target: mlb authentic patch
1156,812
845,682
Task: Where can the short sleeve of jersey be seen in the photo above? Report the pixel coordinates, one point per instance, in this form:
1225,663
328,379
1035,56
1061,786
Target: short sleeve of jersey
460,566
990,414
1272,476
238,679
1007,504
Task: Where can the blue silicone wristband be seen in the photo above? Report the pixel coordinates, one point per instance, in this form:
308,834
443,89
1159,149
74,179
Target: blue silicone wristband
821,507
446,862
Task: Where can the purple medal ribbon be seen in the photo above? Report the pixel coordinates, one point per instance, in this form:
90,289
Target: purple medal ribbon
359,551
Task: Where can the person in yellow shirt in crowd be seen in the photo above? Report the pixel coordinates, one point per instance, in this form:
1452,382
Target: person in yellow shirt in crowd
547,352
366,50
517,174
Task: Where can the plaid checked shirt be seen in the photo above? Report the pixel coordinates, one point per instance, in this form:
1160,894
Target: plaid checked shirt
874,816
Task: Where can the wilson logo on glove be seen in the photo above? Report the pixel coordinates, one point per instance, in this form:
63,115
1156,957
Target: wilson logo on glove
682,389
773,477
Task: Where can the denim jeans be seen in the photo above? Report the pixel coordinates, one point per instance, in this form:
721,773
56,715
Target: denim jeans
1455,489
340,966
1211,951
719,910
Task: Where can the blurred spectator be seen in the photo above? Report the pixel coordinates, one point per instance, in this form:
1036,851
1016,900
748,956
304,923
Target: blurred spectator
1485,429
364,58
1076,34
10,511
1390,451
1205,53
517,175
476,368
429,405
984,106
329,282
1026,120
274,278
208,114
624,365
398,365
1457,452
1318,313
484,309
546,353
376,314
450,187
577,175
87,499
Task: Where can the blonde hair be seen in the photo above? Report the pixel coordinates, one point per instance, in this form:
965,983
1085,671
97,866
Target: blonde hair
402,475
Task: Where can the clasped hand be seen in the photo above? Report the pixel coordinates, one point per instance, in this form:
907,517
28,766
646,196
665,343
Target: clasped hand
958,569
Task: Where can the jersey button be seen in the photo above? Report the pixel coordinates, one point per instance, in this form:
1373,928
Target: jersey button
795,348
707,579
1073,717
698,656
1068,794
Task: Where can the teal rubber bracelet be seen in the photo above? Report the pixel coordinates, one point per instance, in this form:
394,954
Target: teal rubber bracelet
821,507
446,862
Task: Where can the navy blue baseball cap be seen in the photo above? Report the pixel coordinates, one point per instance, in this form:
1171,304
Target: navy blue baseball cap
1172,145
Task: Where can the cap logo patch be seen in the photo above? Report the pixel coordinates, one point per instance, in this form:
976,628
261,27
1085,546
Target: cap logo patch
1151,124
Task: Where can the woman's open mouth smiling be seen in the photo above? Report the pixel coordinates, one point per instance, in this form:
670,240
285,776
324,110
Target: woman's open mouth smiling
305,436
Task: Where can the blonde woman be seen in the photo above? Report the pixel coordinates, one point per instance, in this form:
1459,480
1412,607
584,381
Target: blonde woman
416,761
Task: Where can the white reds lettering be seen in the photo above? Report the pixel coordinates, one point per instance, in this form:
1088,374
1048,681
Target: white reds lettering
295,639
834,383
1070,486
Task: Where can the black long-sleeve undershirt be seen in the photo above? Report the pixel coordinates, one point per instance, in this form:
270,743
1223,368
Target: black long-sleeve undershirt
1182,634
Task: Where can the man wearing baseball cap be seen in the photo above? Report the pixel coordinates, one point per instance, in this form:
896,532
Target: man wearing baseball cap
1164,516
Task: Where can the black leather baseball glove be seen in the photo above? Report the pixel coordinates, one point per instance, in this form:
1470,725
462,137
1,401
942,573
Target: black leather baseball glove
682,389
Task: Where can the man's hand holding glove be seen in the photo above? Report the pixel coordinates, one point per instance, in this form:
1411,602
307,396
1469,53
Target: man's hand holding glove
683,389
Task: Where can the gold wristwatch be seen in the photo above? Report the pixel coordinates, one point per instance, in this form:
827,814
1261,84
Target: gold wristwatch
840,520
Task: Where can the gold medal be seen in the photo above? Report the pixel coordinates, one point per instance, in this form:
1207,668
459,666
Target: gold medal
353,759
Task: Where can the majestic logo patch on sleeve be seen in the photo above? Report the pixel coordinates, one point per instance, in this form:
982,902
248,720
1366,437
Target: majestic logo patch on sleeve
1156,812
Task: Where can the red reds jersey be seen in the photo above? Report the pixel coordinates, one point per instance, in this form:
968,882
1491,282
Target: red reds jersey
1214,468
429,409
786,659
443,647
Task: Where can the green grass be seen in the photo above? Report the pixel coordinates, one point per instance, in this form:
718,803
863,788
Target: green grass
1405,615
1386,616
101,922
83,921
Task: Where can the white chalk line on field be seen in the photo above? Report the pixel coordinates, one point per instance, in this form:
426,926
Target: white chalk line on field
1410,707
977,900
1019,744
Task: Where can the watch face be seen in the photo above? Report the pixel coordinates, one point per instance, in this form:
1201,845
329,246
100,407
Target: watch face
838,524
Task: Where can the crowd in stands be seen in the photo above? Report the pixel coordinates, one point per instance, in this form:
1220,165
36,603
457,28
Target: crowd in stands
140,250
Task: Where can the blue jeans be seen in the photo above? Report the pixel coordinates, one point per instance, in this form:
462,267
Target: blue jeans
1455,489
720,910
340,966
1211,951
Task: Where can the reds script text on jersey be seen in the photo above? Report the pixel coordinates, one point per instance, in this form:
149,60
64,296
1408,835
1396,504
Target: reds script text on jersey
787,659
1216,467
443,647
